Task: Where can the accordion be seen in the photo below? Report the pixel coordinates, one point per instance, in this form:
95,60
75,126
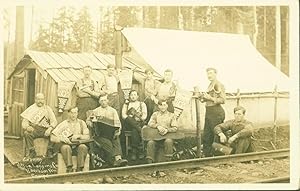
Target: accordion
104,130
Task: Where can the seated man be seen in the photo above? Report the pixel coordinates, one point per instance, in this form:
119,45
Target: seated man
134,113
38,121
106,126
238,130
68,135
165,122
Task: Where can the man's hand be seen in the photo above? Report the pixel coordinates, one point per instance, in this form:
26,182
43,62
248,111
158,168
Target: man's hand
65,140
75,137
161,130
30,129
206,96
232,139
48,131
223,138
117,133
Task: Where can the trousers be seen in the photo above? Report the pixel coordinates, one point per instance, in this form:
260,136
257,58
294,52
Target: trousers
68,151
153,145
37,133
214,115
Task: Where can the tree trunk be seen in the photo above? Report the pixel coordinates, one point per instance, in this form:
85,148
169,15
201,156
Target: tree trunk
254,37
278,38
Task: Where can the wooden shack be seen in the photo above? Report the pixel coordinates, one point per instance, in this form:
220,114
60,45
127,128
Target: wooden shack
42,71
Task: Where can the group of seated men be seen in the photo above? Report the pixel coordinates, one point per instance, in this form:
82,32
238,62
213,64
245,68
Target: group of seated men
97,116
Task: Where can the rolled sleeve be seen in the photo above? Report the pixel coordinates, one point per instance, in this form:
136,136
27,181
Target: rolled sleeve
221,128
246,132
52,118
153,121
222,95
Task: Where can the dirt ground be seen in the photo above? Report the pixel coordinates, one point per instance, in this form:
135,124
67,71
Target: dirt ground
230,173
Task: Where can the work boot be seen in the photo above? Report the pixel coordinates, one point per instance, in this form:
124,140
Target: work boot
79,169
50,153
69,169
120,162
149,161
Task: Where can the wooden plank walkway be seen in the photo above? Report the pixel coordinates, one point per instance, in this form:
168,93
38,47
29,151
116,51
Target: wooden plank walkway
13,150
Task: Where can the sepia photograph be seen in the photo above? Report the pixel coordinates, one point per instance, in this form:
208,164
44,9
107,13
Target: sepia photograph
158,96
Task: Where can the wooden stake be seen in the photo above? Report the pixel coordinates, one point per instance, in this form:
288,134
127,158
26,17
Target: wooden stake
275,116
238,97
197,101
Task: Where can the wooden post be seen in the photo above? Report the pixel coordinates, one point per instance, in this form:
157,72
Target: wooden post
238,97
275,116
118,47
197,101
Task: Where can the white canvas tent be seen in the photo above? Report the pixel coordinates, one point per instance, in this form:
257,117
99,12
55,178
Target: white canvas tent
239,65
189,53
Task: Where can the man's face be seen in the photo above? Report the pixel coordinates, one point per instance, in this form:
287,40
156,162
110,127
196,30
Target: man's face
39,100
133,96
238,115
168,76
110,71
149,75
103,101
73,114
163,107
211,75
87,72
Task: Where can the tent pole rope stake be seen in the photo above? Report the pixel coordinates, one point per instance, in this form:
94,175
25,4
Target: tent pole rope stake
197,103
275,116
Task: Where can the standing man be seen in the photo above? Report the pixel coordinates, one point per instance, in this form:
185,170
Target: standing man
167,90
87,93
38,121
134,114
67,145
109,85
239,130
214,114
150,89
165,122
105,122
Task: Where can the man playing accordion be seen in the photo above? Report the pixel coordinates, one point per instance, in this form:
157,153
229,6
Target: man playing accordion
106,128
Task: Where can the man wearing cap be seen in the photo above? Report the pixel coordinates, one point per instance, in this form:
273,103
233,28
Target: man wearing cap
106,125
150,88
68,135
214,115
167,90
109,85
38,121
238,131
87,93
